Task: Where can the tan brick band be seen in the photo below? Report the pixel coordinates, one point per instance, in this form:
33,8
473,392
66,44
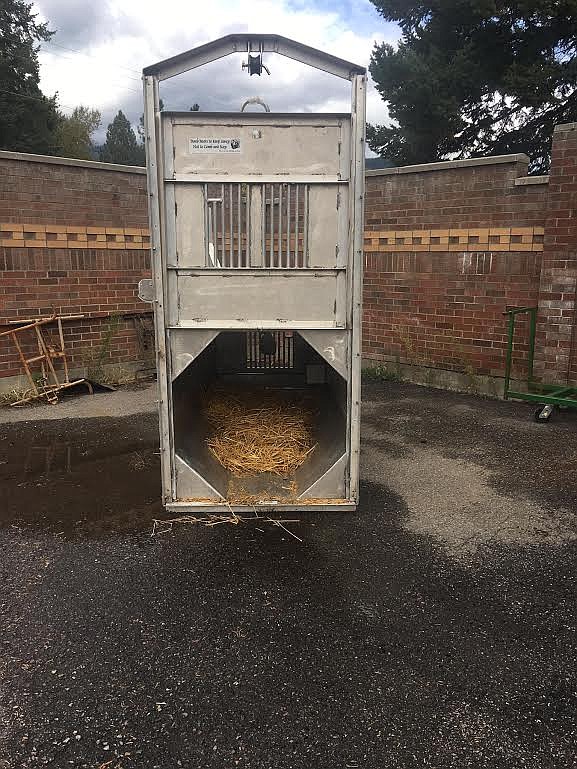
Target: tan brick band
485,239
60,236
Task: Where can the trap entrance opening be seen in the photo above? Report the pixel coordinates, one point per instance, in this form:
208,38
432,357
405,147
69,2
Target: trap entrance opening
261,416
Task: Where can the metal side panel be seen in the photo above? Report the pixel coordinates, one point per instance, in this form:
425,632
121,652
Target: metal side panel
327,225
217,300
332,346
332,484
187,220
186,346
190,485
266,148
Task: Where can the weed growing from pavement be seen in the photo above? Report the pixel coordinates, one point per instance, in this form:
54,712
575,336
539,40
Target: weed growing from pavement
381,373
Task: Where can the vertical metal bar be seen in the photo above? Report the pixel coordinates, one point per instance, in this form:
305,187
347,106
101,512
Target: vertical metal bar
222,247
215,231
297,229
532,333
263,224
206,230
209,261
355,277
239,224
509,359
278,359
288,226
271,221
155,173
246,261
280,256
305,259
230,245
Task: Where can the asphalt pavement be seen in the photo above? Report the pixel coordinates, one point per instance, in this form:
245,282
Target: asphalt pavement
436,627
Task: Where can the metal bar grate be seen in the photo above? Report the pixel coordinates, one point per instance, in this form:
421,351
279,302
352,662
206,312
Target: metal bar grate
284,223
285,210
227,223
267,350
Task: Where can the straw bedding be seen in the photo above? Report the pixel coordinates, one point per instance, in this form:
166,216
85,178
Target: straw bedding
261,432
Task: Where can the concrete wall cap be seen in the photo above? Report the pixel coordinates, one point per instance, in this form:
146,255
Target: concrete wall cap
565,127
94,165
522,181
446,165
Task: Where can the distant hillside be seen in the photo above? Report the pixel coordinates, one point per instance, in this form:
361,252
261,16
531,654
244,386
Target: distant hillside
373,164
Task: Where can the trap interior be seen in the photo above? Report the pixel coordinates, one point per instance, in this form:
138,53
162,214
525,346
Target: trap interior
277,369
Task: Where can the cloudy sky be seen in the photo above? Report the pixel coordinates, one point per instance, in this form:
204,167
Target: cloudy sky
99,49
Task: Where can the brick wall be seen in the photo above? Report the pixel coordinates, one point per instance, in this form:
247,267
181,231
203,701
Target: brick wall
448,247
73,239
556,358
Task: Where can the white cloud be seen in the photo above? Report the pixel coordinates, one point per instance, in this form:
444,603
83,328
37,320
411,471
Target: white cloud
115,42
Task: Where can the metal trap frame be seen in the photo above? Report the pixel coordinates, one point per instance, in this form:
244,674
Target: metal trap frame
257,238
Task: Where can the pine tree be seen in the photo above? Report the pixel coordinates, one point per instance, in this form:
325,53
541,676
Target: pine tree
475,77
28,120
75,133
121,145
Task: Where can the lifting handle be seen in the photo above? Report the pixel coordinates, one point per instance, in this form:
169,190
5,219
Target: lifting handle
255,100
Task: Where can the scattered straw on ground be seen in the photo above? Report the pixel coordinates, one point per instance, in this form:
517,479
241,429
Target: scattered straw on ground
163,526
259,433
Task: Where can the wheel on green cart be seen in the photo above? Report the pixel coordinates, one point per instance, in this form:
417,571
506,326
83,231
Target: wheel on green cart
544,412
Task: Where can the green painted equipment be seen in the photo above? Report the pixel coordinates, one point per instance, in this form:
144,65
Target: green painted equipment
549,397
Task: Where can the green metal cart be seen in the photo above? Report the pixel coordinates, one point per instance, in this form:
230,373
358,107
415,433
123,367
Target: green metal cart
549,397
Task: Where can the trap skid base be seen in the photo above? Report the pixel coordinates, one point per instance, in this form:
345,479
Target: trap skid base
261,507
